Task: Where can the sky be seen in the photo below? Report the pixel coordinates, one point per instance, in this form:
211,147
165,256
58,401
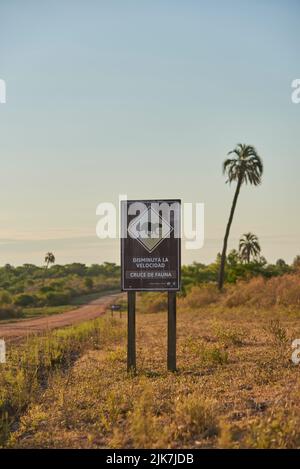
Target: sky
145,98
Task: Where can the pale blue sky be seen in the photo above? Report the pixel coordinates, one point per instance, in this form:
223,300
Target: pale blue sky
145,98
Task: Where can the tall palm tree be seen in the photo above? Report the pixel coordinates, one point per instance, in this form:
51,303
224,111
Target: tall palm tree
244,167
49,259
249,247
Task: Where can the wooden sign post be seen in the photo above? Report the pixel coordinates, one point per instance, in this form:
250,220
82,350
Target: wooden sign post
150,261
171,353
131,342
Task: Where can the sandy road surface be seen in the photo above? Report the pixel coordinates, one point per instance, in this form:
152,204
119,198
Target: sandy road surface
15,330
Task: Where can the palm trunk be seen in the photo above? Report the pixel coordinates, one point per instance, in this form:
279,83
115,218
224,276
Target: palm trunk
223,257
44,276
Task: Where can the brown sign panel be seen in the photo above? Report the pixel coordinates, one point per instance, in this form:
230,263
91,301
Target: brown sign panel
150,245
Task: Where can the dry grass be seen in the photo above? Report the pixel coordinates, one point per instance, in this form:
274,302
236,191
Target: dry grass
201,296
31,364
235,386
282,291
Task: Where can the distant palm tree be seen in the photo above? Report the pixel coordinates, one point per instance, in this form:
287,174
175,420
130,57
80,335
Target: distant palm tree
246,166
49,259
249,247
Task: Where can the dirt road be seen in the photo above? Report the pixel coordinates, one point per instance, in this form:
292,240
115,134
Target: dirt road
15,330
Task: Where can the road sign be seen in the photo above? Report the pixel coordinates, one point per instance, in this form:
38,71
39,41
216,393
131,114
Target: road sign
150,245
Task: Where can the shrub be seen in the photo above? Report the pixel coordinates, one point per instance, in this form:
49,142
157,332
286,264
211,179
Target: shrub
57,299
196,417
10,312
276,291
142,422
207,354
89,282
46,288
201,296
229,335
5,298
25,300
278,332
211,356
153,302
277,432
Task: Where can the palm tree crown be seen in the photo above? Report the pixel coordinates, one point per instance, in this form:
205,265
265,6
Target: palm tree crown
49,258
246,165
249,247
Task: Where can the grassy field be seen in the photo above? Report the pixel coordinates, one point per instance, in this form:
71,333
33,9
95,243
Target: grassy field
235,387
